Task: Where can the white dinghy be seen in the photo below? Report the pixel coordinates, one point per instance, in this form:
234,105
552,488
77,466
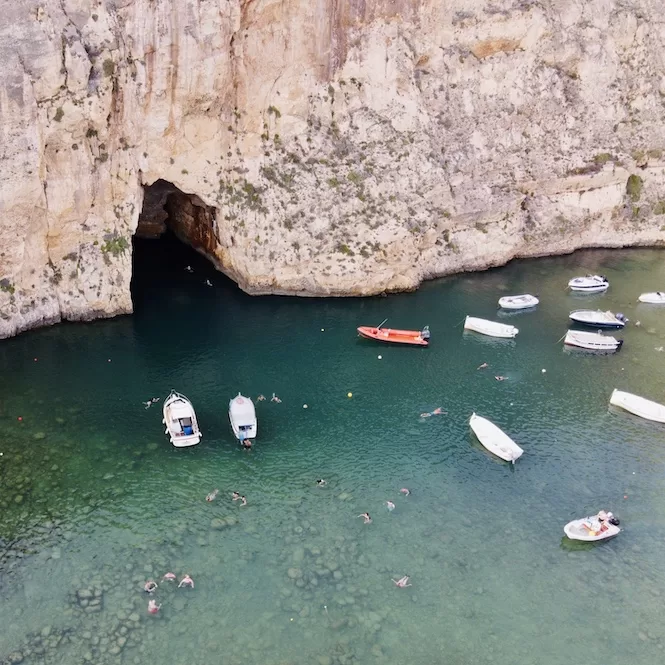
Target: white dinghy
491,328
592,341
589,284
495,439
243,417
590,529
656,298
639,406
524,301
598,319
180,420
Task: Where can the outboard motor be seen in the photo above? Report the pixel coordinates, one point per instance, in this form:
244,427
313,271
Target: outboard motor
614,521
621,317
425,334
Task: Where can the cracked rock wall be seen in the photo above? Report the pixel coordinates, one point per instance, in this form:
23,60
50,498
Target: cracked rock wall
334,148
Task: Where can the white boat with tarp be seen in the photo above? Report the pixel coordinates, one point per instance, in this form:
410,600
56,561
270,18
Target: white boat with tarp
638,406
589,284
180,420
655,298
242,415
598,319
596,527
524,301
592,341
494,439
490,328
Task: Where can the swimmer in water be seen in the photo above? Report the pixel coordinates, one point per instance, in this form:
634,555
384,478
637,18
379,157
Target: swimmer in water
483,366
366,517
186,581
235,496
212,495
246,443
321,483
208,282
274,398
170,577
150,586
405,491
437,412
402,582
390,505
189,269
243,500
261,398
500,378
153,607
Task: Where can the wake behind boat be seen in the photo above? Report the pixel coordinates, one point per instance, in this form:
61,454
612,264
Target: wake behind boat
495,439
491,328
589,284
598,319
243,417
655,298
524,301
180,420
592,341
639,406
394,336
590,529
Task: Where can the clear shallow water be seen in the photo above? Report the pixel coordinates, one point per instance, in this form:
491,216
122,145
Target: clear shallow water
94,498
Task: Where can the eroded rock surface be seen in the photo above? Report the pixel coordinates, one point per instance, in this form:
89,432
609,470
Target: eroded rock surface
320,148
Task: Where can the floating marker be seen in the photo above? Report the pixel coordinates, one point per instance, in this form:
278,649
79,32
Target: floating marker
543,371
349,394
322,329
304,406
379,357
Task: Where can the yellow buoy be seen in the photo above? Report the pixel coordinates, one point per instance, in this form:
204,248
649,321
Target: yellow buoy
349,394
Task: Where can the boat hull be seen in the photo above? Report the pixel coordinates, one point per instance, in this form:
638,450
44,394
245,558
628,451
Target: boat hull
638,406
592,341
589,284
392,336
490,328
652,298
495,439
576,530
525,301
586,317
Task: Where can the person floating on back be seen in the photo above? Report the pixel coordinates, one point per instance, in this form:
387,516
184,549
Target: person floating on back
212,495
186,581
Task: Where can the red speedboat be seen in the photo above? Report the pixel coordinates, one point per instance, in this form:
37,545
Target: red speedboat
413,337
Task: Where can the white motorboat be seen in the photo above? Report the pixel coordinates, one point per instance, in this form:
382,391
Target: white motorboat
656,298
243,417
589,284
524,301
592,341
591,529
639,406
598,319
494,439
180,420
491,328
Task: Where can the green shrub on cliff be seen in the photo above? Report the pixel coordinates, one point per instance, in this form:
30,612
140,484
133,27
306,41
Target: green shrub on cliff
634,187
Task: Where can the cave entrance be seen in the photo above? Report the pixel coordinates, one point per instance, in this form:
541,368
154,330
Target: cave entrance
175,230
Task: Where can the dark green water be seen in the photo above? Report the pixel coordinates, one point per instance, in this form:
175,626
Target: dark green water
94,498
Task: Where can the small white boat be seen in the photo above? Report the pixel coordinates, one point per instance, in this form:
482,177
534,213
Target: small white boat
495,439
592,341
180,420
518,302
656,298
598,319
591,529
491,328
639,406
589,284
243,417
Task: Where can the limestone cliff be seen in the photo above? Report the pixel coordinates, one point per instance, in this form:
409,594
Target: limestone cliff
320,147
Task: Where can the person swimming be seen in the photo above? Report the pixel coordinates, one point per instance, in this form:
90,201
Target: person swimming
208,282
402,582
212,495
500,378
390,505
150,402
153,607
246,443
483,366
261,398
170,577
235,496
274,398
366,517
405,491
150,586
189,269
186,581
321,483
437,412
243,500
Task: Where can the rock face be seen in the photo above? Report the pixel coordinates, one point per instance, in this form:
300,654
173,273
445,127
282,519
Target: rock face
320,147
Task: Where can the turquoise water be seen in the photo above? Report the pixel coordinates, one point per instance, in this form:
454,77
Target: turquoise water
94,500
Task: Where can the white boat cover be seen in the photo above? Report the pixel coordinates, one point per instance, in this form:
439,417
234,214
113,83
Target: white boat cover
596,317
495,439
491,328
656,298
591,283
594,341
588,529
639,406
180,410
518,302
